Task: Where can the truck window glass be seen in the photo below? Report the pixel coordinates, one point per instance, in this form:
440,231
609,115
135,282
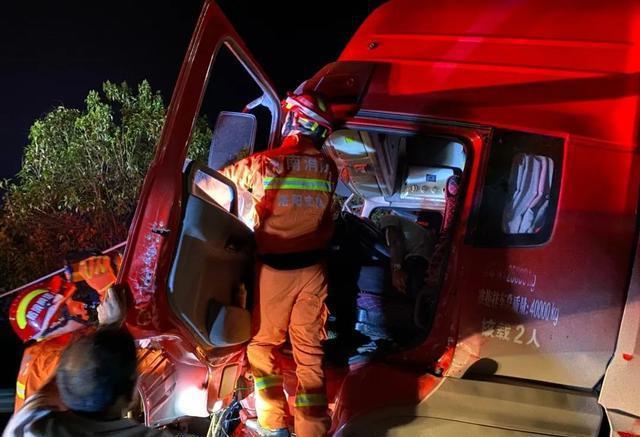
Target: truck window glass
527,207
213,190
230,87
520,191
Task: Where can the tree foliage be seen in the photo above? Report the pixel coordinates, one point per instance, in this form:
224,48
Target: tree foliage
81,175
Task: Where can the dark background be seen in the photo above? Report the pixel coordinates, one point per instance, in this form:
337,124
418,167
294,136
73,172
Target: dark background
53,53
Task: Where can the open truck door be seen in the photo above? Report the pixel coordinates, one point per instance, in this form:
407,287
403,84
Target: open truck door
619,395
187,266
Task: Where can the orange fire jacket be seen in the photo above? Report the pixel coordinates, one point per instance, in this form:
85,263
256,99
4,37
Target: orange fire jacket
293,187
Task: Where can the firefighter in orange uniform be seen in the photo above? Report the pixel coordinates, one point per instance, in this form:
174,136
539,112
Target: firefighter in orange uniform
293,187
49,318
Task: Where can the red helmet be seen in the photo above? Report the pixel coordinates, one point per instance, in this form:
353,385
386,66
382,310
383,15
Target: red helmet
40,313
308,115
63,305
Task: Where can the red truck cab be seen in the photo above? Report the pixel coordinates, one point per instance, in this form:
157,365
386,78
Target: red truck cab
513,125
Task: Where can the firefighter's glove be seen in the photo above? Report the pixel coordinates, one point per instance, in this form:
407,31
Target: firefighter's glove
110,310
97,272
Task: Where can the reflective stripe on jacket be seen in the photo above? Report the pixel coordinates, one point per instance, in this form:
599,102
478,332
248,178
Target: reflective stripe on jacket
293,189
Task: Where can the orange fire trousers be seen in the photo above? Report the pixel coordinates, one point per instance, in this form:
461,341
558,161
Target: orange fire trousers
293,301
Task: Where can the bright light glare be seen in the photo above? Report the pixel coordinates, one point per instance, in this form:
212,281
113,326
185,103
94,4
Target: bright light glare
192,401
217,406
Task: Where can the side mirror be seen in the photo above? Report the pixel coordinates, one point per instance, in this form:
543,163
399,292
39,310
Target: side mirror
233,135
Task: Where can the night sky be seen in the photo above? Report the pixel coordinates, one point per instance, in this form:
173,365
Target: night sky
53,53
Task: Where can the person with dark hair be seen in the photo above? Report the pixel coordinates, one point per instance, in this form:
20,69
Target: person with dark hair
94,384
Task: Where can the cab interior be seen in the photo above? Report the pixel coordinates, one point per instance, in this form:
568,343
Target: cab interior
417,176
414,175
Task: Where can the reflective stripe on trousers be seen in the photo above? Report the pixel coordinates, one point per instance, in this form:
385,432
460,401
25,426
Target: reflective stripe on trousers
310,399
268,381
290,301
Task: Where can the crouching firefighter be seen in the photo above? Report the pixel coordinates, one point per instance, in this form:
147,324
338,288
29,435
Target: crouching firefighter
47,317
292,186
